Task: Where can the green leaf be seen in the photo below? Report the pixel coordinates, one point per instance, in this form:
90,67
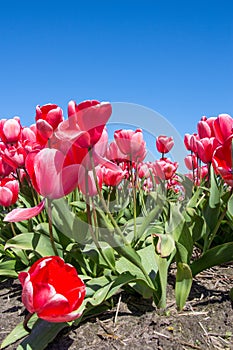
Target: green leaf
31,241
149,263
7,268
183,284
42,334
68,223
213,257
214,199
18,332
111,288
147,220
92,251
230,205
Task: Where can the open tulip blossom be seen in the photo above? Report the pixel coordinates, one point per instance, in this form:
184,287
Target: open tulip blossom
52,289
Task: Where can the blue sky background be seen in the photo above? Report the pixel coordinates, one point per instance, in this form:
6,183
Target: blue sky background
175,57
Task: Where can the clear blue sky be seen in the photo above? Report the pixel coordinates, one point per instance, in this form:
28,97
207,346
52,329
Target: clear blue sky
175,57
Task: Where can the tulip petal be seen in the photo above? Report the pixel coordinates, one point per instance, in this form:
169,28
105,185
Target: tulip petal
43,293
56,306
20,214
27,294
61,318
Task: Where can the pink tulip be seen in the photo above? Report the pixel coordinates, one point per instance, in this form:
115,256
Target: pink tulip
48,117
113,176
165,169
190,142
50,113
49,174
85,124
205,148
52,289
164,143
223,127
9,190
131,143
10,130
20,214
222,161
86,181
203,129
191,161
114,153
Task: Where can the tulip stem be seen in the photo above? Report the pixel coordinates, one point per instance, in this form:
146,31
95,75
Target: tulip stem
51,226
103,201
133,179
25,322
93,235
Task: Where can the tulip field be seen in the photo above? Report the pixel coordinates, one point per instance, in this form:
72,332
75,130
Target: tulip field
84,217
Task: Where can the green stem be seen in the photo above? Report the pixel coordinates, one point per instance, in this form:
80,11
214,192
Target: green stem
51,226
133,179
89,220
213,234
118,230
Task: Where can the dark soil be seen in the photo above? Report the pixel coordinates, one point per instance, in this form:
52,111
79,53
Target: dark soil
205,323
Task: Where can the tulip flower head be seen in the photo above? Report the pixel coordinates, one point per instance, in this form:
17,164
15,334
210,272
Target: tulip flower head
164,144
52,289
131,143
9,190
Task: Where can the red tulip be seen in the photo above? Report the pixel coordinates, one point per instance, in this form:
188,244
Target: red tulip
49,174
85,124
222,161
9,190
164,143
131,143
223,127
53,290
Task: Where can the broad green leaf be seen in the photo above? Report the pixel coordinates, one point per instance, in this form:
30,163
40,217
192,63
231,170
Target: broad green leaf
68,223
162,277
18,332
110,289
213,257
94,253
42,334
31,241
148,261
182,255
147,220
183,284
95,284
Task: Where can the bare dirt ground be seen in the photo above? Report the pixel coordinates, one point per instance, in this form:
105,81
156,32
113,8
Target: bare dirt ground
205,323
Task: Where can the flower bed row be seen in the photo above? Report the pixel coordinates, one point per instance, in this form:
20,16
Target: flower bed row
82,217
